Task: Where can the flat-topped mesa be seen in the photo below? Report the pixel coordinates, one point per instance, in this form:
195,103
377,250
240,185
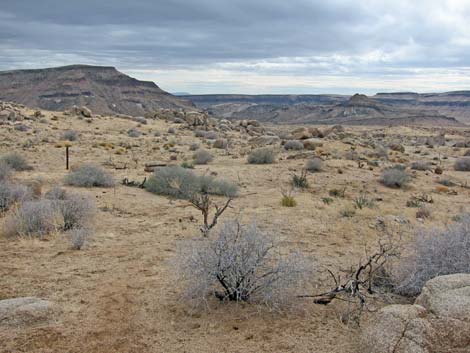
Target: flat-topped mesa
103,89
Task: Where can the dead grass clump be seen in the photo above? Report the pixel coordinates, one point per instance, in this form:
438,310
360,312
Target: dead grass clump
434,253
15,161
89,175
202,157
264,155
462,164
241,263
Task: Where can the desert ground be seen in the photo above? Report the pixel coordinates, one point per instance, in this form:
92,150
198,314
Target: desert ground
119,293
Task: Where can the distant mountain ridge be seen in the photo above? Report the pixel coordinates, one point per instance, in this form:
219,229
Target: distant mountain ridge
451,108
103,89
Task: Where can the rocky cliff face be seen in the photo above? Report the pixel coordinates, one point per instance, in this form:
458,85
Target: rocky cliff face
102,89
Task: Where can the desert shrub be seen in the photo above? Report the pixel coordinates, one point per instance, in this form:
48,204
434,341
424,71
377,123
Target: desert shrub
77,211
200,133
193,147
79,237
70,135
347,212
420,165
293,145
327,200
241,263
434,253
264,155
33,219
314,165
394,178
187,165
171,130
423,212
300,181
5,172
462,164
89,175
202,157
447,182
133,133
21,127
15,161
414,203
13,193
363,201
211,135
337,192
181,183
288,201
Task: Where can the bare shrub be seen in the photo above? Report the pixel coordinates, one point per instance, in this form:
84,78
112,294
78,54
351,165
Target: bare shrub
462,164
314,165
70,135
293,145
202,157
241,263
434,253
11,194
264,155
420,165
394,178
89,175
15,161
79,237
77,211
33,219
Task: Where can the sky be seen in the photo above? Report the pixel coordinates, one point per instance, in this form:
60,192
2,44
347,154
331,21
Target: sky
249,46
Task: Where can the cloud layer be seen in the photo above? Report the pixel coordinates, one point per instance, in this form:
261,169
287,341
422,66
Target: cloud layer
249,46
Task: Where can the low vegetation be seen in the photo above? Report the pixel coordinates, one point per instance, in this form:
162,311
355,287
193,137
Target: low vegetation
89,175
240,263
395,177
293,145
202,157
15,161
314,165
462,164
264,155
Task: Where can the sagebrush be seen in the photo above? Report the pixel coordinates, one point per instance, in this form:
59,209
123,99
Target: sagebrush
264,155
89,175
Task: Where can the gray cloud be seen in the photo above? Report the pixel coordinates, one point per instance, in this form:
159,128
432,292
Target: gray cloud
300,39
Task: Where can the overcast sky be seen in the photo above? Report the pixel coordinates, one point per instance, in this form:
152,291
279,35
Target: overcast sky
249,46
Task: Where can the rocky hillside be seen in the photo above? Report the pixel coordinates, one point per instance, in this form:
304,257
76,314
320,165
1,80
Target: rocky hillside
102,89
357,110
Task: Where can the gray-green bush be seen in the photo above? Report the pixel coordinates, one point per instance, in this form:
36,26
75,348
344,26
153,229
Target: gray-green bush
202,157
15,161
314,165
462,164
89,175
70,135
11,194
263,155
394,177
293,145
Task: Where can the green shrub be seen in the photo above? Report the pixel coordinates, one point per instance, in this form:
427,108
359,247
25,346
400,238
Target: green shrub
264,155
300,181
363,201
89,175
288,201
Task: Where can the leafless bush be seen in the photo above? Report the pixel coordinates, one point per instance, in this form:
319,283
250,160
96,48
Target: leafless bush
394,178
79,237
314,165
33,219
434,253
293,145
15,161
202,157
77,211
11,194
241,263
462,164
89,175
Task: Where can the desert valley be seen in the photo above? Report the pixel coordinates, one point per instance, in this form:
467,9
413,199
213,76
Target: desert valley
343,220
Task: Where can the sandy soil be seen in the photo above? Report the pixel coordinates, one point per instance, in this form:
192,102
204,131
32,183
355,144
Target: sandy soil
119,294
